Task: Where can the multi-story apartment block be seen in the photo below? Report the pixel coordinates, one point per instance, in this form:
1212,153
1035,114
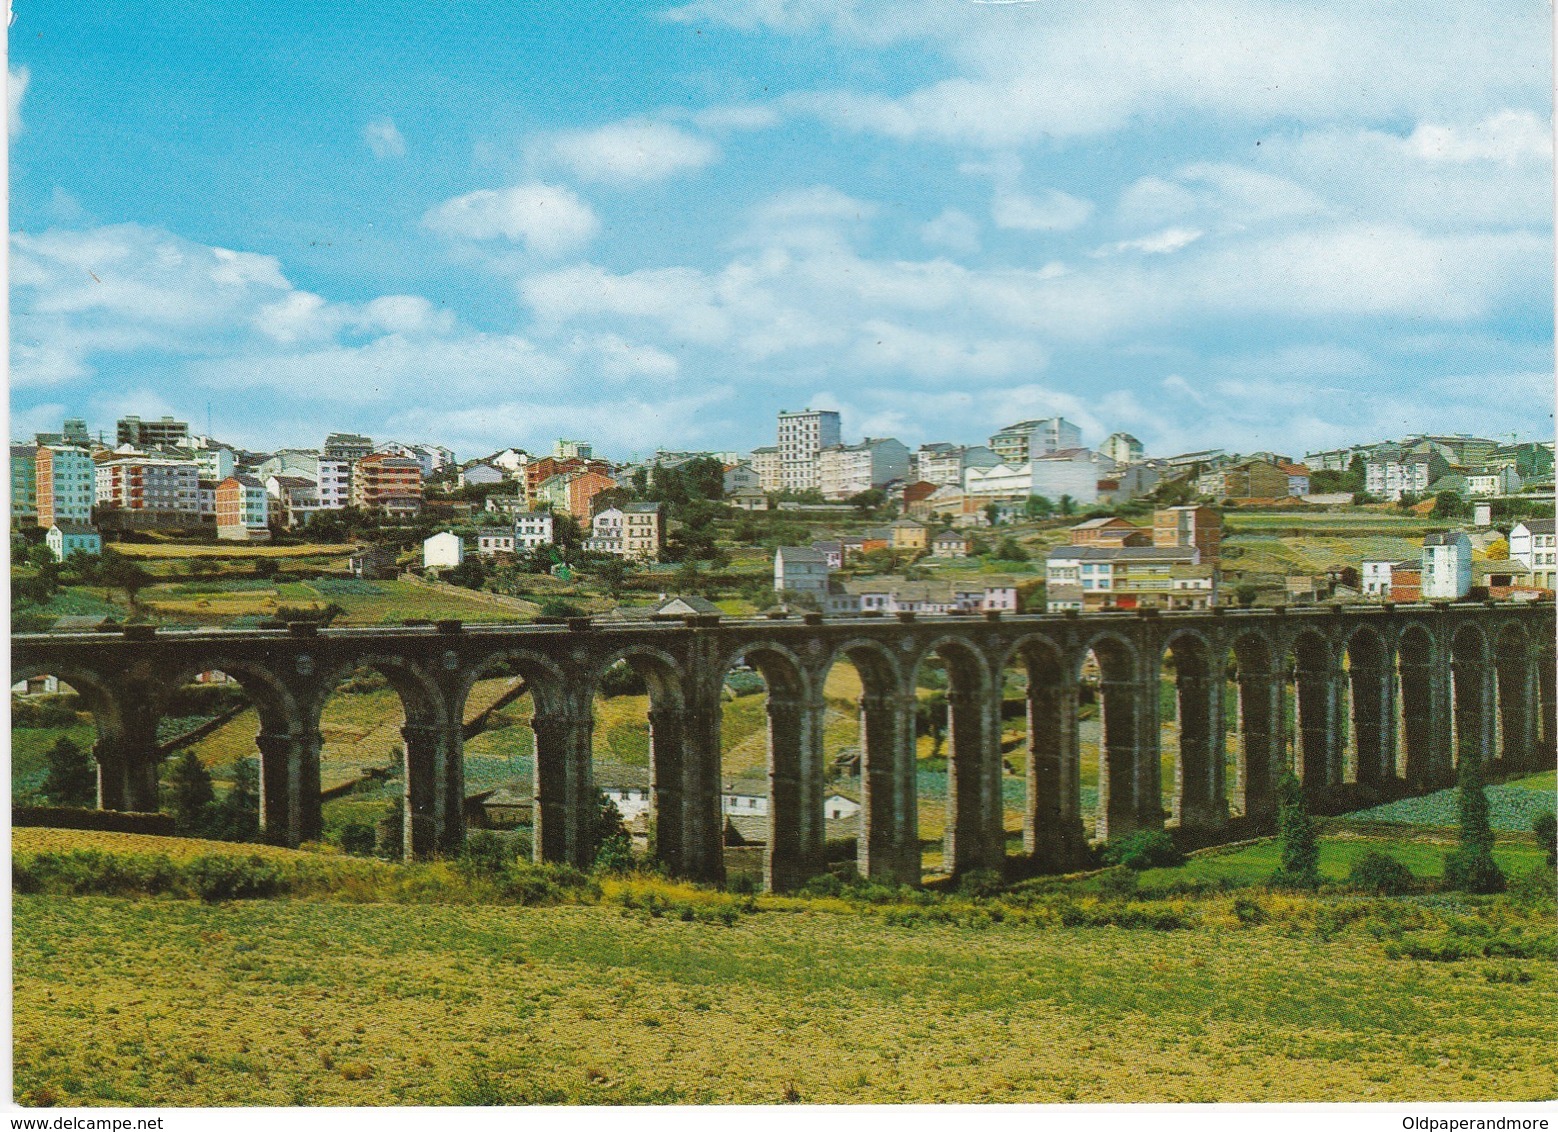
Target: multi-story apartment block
1027,440
242,509
388,484
1337,459
1533,544
1446,565
770,472
297,497
643,531
73,433
1393,471
346,446
332,477
844,470
606,532
66,483
1198,528
136,491
1068,472
540,470
24,484
944,464
1123,448
533,529
801,437
572,450
151,434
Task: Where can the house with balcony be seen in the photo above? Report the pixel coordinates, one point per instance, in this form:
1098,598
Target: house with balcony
242,509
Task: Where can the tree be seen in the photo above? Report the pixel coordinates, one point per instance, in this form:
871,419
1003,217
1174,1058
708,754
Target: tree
192,793
1246,594
612,572
1039,507
1297,838
1010,550
71,777
1470,867
1067,505
116,572
237,816
992,514
1448,505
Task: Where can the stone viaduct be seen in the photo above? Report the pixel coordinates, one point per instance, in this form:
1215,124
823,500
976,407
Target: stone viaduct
1384,700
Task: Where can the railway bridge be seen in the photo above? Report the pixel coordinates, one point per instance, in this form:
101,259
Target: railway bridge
1361,701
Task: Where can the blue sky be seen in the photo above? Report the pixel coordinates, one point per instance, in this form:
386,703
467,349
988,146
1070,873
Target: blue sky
1271,225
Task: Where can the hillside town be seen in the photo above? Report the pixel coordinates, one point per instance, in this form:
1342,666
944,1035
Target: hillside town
1053,525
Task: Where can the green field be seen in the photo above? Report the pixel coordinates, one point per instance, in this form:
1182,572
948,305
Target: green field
418,997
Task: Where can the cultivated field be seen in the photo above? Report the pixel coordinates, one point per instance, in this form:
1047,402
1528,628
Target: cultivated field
323,1002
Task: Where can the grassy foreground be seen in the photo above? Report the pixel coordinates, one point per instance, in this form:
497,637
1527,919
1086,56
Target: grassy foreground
390,990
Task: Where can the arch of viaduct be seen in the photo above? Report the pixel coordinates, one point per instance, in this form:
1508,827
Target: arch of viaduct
1419,679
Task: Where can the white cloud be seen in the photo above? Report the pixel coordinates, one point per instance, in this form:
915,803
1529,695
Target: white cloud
1158,243
15,88
1507,137
1021,74
954,230
549,220
719,118
630,151
1054,212
384,139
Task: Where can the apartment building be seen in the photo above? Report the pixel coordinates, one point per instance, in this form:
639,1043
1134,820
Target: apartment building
66,484
1446,565
242,509
346,446
643,531
150,434
1199,528
142,491
802,437
391,485
1123,448
1026,440
944,464
770,472
845,470
24,484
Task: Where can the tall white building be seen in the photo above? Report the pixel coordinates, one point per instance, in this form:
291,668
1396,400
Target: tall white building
1123,448
1446,565
944,464
1534,545
802,437
848,469
1028,440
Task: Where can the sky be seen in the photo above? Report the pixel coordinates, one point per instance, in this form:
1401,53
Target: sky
1275,225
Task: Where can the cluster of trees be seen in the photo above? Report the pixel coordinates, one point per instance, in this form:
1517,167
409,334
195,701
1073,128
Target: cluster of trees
197,812
41,576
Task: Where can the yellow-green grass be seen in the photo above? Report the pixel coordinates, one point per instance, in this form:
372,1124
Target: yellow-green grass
396,601
32,840
165,1002
164,550
1546,781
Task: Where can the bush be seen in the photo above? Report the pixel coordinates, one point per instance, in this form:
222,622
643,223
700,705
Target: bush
484,854
1545,826
218,876
615,855
356,838
1381,874
1251,913
1148,849
1474,871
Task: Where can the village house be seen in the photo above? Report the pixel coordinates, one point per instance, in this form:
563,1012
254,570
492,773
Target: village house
442,551
491,541
66,537
1446,565
1533,544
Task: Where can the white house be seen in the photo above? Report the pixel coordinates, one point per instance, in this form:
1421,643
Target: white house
67,537
1532,544
1070,471
837,806
1503,480
1446,565
442,550
494,540
481,475
1378,573
532,529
